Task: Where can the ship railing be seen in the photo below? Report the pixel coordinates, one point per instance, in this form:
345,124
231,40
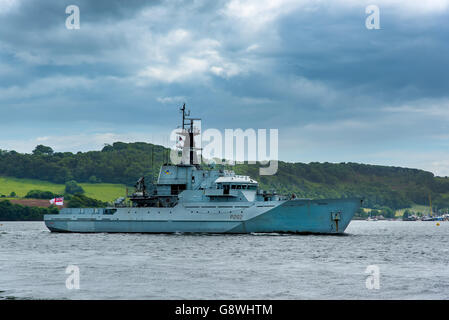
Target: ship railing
164,180
82,211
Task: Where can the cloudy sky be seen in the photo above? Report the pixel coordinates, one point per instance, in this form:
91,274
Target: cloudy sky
336,91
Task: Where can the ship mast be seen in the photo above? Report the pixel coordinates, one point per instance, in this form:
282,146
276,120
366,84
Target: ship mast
189,155
430,204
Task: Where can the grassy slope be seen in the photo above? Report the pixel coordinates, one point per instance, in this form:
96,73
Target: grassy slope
414,208
100,191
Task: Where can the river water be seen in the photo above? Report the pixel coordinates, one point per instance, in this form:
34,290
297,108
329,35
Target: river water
412,259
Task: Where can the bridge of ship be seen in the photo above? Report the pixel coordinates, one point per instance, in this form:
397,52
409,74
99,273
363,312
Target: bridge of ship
190,184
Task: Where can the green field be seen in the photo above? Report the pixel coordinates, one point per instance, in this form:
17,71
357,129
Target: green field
415,208
400,212
100,191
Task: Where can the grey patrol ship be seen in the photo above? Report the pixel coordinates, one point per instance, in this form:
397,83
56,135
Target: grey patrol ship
188,199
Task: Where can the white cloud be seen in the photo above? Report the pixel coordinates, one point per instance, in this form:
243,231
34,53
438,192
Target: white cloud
434,162
256,14
438,109
8,5
45,86
438,167
336,126
175,99
416,7
200,61
182,69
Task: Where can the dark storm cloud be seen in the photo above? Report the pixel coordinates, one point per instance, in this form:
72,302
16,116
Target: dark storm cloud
404,58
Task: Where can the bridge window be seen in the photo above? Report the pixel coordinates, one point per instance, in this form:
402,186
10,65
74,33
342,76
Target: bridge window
177,188
110,211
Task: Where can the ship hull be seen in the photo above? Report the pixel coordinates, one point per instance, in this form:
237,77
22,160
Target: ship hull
327,216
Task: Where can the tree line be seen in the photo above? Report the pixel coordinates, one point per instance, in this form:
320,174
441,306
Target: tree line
380,186
16,212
